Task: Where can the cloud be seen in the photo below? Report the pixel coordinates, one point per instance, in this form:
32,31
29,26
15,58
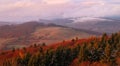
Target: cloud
92,3
95,8
17,4
55,1
35,9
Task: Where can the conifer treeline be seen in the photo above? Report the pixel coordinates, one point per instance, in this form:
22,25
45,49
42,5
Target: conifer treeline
103,50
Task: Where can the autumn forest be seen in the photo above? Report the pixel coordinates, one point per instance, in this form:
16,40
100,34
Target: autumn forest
94,51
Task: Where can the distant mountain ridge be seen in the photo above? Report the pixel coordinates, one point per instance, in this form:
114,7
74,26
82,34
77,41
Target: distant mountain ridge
97,24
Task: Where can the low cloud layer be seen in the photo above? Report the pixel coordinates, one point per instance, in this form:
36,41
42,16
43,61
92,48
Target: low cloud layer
23,10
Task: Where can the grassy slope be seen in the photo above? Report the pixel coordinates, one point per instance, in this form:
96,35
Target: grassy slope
55,34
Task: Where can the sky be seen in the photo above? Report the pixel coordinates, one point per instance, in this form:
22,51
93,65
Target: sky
26,10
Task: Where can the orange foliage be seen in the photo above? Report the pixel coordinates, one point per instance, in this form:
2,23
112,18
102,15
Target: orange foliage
33,50
118,61
21,54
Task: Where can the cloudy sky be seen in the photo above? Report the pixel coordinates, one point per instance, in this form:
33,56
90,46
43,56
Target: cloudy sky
25,10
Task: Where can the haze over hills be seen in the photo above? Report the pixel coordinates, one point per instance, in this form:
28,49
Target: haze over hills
4,23
96,24
28,33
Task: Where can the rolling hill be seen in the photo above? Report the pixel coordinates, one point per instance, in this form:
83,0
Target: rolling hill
33,32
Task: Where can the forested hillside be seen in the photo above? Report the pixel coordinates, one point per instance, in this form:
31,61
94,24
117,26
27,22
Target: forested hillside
94,51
